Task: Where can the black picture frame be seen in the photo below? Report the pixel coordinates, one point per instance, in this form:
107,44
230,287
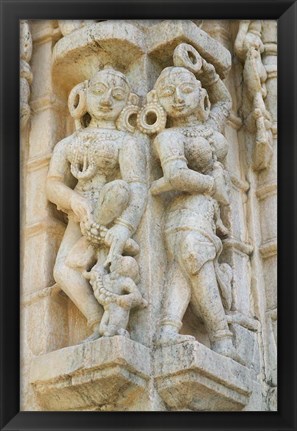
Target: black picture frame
285,11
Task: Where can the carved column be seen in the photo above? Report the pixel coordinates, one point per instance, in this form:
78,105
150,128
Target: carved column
237,247
261,153
41,229
267,196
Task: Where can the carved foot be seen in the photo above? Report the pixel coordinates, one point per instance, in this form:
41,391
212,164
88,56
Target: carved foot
124,333
169,336
112,333
91,338
225,347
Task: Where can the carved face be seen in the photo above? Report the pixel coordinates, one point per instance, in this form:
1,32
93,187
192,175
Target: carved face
107,95
125,266
178,92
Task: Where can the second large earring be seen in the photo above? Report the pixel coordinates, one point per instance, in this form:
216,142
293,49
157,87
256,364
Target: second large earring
128,116
152,117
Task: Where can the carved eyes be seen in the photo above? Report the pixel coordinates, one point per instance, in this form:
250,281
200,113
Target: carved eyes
187,88
183,88
117,93
167,91
99,89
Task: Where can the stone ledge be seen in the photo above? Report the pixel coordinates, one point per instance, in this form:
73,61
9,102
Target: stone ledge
80,54
201,380
166,35
106,374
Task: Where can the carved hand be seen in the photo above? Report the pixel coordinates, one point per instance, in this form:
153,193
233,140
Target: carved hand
207,73
125,301
81,207
116,239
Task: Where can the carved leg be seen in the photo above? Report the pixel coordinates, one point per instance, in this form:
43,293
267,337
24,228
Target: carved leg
177,298
114,198
117,321
72,282
104,323
207,303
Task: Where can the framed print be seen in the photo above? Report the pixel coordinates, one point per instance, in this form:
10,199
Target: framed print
148,208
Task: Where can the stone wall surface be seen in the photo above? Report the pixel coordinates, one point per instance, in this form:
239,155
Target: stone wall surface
149,180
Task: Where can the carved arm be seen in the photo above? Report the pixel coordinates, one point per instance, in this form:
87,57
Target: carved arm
58,189
177,175
133,170
219,96
132,166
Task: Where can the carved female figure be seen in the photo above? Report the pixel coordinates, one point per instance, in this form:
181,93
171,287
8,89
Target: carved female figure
191,152
96,177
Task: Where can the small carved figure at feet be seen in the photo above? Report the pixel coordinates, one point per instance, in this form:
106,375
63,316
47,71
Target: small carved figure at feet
117,292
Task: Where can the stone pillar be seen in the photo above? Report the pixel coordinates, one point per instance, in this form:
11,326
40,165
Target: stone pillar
261,171
238,247
267,196
44,314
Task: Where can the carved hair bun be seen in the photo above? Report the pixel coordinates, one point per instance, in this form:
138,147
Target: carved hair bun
187,56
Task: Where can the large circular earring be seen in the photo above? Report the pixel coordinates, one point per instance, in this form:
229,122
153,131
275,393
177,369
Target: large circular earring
187,56
152,117
123,122
77,103
204,105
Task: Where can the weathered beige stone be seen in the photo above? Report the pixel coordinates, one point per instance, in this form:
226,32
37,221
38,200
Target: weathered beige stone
149,215
92,376
199,379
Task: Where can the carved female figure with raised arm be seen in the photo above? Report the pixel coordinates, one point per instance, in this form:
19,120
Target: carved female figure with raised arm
191,153
96,177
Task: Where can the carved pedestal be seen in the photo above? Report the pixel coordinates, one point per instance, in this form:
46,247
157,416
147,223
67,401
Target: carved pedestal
108,374
192,377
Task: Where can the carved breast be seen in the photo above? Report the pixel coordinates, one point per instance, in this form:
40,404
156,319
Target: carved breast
198,152
105,155
93,154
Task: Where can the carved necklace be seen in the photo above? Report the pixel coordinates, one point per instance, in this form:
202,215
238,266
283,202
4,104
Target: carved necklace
97,134
194,132
83,166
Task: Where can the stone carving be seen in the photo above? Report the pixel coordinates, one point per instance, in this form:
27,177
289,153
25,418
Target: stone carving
249,47
149,349
191,152
68,26
97,177
26,76
117,293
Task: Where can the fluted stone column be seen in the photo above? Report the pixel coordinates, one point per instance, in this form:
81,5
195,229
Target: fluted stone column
42,231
